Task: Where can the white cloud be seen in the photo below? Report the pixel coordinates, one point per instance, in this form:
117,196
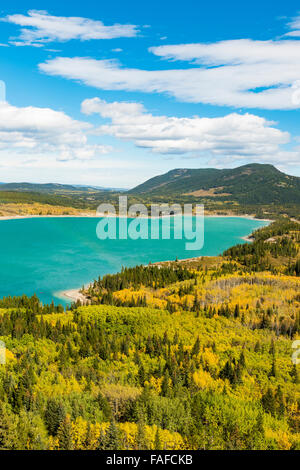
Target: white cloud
238,137
240,73
38,28
232,52
42,133
262,74
294,25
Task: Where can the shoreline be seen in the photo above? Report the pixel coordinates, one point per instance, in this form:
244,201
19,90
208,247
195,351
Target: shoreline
74,294
248,238
71,294
33,216
99,216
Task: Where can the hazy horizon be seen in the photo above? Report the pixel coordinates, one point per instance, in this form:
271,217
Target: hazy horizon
101,186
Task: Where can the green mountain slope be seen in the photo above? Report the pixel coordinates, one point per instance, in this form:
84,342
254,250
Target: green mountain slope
248,184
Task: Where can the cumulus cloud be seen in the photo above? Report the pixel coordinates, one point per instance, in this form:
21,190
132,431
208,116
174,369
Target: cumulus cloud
36,133
240,73
38,28
236,136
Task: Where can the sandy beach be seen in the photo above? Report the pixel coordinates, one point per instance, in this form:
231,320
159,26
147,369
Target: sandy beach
72,294
33,216
248,239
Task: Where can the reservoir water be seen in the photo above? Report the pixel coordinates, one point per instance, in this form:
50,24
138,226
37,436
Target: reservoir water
47,255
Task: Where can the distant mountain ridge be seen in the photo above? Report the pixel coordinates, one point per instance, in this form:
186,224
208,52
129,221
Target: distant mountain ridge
52,187
247,184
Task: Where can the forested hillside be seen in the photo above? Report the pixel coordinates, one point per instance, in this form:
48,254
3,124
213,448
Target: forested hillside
178,355
248,184
275,248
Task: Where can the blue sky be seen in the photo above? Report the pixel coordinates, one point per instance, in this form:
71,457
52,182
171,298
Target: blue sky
112,93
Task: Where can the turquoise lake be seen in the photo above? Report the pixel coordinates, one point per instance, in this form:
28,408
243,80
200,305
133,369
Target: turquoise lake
48,255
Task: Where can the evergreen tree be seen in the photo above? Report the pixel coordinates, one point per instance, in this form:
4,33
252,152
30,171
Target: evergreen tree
295,374
272,348
242,360
280,402
268,402
54,415
165,386
64,434
104,406
89,437
196,347
257,347
273,372
157,441
112,438
141,375
141,435
101,443
237,311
